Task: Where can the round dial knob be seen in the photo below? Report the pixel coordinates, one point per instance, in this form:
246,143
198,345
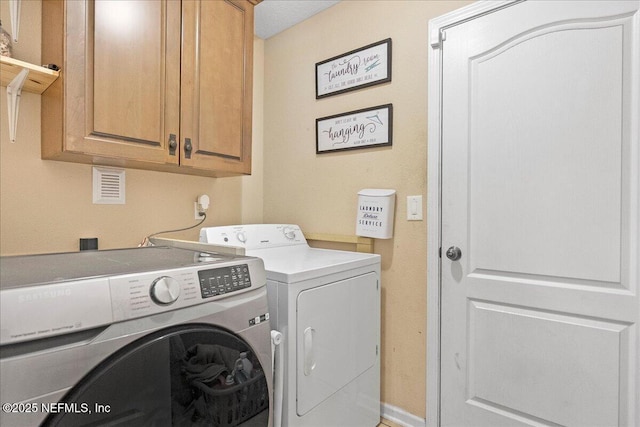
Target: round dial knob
165,290
289,233
241,236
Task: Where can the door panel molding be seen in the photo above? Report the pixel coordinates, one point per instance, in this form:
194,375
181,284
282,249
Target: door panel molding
508,334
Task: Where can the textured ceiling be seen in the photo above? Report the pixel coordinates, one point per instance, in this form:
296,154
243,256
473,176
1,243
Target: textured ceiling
274,16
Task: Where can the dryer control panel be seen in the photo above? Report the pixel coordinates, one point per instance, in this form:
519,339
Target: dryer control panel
254,236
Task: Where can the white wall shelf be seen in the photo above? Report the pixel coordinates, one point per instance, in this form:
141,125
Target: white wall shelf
17,75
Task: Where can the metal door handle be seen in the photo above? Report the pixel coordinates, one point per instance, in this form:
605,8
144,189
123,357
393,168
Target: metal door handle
187,148
173,144
454,253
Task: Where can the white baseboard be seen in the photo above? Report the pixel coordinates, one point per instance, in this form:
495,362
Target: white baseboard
400,416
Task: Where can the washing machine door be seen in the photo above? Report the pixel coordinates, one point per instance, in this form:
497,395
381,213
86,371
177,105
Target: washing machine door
188,375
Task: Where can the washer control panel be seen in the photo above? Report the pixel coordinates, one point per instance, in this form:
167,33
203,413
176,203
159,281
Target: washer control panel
224,280
140,295
82,291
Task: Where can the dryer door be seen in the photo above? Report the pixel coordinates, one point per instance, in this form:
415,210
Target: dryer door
180,376
338,332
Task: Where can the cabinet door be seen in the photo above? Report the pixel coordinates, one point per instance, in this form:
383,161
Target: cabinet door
120,96
216,87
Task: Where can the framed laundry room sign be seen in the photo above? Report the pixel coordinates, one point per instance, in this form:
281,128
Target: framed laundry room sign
367,66
355,129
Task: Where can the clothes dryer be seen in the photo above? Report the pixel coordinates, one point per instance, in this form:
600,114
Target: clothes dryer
326,303
148,336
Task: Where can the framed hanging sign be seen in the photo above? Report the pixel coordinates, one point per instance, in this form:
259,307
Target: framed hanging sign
367,66
355,129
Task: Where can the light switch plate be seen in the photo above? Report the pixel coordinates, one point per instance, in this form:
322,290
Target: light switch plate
414,208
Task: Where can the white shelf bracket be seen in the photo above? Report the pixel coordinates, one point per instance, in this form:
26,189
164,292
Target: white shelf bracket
14,9
14,89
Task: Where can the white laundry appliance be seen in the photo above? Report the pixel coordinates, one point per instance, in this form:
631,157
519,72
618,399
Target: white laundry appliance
326,303
148,336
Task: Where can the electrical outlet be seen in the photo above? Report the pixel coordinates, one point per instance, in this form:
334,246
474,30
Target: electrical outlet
196,211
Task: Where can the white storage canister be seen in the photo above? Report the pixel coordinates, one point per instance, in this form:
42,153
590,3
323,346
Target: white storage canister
375,213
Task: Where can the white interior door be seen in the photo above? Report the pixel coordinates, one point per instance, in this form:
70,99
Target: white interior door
540,192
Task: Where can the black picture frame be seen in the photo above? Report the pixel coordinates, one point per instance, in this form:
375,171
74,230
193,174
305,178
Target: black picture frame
356,69
352,130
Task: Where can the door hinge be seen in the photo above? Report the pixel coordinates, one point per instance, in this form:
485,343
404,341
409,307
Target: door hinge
377,350
436,38
377,284
440,252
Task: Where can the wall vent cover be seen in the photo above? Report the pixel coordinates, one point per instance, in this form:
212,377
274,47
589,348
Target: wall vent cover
108,186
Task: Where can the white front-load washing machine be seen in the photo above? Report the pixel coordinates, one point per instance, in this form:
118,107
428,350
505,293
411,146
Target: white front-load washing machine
326,303
152,336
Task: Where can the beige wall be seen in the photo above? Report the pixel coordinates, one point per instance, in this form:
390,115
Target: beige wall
319,192
46,206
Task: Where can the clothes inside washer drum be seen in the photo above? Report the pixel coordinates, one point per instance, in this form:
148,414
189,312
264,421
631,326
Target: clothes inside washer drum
206,362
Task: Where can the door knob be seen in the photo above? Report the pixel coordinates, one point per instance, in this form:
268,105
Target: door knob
454,253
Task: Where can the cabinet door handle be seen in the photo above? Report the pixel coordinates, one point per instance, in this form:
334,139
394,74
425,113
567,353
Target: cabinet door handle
173,144
187,148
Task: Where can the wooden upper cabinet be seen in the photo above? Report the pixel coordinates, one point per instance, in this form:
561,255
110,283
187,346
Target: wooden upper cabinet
217,57
162,85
